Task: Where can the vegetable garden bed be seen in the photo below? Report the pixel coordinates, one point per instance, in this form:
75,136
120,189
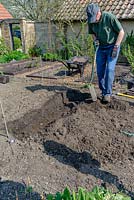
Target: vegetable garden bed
17,67
66,126
62,139
54,72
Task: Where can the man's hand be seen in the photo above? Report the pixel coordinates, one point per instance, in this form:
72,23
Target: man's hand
96,43
115,51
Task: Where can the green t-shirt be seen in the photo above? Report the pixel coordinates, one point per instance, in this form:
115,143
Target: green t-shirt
107,29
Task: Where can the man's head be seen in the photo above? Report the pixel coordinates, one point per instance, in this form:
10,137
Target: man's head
93,13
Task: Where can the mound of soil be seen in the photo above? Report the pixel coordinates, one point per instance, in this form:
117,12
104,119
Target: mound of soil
83,134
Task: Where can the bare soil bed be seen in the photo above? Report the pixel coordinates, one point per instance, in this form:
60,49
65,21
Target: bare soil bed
62,138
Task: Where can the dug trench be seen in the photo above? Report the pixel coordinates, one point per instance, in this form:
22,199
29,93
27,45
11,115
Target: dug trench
86,135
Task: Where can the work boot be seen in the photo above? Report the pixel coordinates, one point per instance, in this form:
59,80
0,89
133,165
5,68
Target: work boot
106,99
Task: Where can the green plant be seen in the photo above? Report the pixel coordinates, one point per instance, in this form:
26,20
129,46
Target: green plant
71,47
90,47
2,59
13,55
29,189
129,40
75,44
3,47
128,51
97,193
16,27
1,73
17,42
50,56
35,51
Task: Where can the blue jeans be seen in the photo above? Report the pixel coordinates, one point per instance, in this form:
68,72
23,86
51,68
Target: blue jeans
106,68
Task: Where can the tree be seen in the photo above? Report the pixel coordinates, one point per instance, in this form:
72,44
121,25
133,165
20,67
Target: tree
36,10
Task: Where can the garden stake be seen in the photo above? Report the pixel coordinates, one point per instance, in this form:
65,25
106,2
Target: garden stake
10,141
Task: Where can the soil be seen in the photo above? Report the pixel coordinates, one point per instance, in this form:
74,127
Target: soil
62,139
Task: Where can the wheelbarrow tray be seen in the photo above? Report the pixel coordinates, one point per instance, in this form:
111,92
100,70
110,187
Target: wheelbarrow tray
78,63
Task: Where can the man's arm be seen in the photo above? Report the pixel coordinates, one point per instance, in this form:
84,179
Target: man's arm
95,41
117,44
120,37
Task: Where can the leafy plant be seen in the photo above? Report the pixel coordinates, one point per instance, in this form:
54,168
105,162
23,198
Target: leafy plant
2,59
51,56
90,47
1,73
29,189
17,43
129,53
128,41
13,55
75,44
98,193
35,51
128,49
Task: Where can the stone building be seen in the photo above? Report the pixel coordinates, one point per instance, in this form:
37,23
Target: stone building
26,30
68,18
5,29
75,11
72,13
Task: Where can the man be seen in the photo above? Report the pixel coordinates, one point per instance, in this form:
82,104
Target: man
107,33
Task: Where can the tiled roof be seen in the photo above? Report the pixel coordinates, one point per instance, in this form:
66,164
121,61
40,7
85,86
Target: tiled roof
76,9
4,14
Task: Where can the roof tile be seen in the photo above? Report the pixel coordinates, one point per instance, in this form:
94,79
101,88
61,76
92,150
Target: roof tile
76,9
4,14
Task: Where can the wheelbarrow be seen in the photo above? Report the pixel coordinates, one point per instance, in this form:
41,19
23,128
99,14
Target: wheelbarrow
79,63
76,63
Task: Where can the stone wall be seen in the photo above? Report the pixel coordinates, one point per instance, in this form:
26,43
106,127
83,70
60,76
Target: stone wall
27,29
45,35
128,26
28,34
5,33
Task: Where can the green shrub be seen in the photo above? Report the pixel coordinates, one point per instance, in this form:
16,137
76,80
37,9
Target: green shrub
98,193
127,49
13,55
3,47
128,41
50,56
35,51
17,43
82,46
76,44
2,59
1,73
129,53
